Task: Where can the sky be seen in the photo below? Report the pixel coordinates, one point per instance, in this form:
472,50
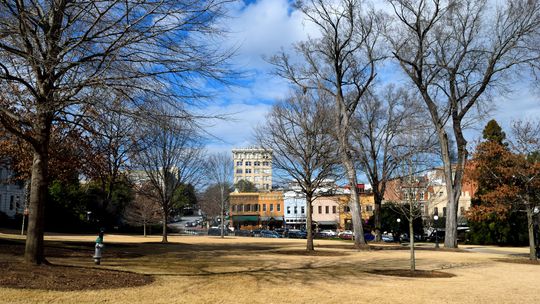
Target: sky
261,28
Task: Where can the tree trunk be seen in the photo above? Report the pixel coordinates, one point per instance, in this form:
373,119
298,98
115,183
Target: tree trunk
222,211
309,220
34,251
164,239
450,234
530,226
411,236
354,204
377,217
144,228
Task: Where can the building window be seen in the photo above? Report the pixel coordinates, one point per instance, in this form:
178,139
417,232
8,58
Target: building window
334,209
369,208
461,210
238,170
288,209
257,163
278,207
436,211
247,208
256,171
239,163
248,170
444,211
303,210
320,209
346,209
271,207
265,163
11,201
264,207
233,208
248,163
327,209
295,209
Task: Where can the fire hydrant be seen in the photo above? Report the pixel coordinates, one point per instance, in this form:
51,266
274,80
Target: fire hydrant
99,246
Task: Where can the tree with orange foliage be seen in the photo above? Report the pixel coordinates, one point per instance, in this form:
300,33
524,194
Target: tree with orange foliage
509,179
68,151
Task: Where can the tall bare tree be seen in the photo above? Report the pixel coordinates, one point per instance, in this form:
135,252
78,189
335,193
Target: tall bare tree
455,53
379,126
170,157
219,171
112,140
55,53
298,132
341,63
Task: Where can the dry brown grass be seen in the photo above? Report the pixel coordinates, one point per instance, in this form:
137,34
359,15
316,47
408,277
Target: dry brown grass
256,270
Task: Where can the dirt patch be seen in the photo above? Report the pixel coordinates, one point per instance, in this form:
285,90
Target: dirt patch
519,261
310,253
67,278
412,274
16,274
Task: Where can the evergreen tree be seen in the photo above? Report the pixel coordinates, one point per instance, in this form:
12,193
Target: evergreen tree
494,133
245,186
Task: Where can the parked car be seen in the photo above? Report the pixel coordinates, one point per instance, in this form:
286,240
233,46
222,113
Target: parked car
239,232
217,231
256,232
368,236
387,238
281,231
269,234
346,235
328,233
296,234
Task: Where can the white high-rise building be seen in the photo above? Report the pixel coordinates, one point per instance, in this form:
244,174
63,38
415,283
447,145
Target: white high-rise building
254,165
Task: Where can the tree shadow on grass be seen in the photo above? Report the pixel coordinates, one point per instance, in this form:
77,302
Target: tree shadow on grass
266,263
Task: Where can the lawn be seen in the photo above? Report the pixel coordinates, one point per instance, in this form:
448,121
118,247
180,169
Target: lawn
204,269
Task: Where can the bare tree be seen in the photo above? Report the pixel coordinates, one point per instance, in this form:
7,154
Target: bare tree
298,132
379,126
144,209
219,170
526,176
341,64
172,156
112,140
455,53
412,188
55,54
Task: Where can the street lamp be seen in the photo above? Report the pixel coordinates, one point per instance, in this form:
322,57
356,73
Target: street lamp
436,217
398,232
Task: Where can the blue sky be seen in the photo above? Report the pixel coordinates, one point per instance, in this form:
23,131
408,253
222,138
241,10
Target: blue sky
260,28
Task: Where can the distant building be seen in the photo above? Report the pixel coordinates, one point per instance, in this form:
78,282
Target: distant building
254,165
431,194
12,194
295,209
254,210
367,200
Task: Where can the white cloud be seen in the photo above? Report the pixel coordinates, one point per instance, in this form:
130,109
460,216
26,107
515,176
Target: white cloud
259,29
236,130
262,28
